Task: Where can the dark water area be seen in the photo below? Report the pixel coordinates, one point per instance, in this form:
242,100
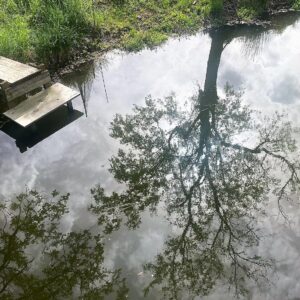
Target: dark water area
207,160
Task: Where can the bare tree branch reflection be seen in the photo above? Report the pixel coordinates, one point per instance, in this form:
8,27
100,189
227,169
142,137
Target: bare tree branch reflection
194,159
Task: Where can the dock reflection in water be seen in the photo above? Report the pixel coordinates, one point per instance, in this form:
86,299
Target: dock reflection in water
30,136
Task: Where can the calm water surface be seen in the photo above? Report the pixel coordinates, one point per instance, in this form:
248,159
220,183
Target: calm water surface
265,64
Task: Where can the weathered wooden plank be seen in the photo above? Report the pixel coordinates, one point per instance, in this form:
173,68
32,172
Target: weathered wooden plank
27,86
39,105
4,84
13,71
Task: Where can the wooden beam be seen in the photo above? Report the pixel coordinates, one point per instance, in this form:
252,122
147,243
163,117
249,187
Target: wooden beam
27,86
13,71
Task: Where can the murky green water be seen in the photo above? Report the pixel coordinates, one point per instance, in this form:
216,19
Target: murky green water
265,65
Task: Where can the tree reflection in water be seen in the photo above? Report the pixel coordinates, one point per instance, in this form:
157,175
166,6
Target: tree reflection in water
38,261
213,185
195,160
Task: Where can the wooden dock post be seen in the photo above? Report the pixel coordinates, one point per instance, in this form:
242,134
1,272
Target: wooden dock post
70,106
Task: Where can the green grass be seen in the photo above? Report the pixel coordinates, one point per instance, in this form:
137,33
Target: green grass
58,28
296,4
15,38
137,40
55,31
43,30
216,7
251,9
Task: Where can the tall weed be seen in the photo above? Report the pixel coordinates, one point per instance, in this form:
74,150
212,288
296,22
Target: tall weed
14,32
59,26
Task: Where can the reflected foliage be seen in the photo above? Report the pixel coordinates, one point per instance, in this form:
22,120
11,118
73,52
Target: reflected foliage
83,80
212,163
39,261
212,186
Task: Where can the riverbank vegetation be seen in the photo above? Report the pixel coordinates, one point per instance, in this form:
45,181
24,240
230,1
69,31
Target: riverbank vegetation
56,32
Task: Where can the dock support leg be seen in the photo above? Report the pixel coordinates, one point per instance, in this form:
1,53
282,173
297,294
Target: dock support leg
70,106
33,127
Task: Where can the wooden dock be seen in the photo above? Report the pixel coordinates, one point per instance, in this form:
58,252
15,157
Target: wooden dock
27,137
27,93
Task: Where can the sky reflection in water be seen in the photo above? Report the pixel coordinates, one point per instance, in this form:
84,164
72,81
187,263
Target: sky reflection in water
76,157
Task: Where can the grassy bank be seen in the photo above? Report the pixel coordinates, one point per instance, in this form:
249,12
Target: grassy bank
56,32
